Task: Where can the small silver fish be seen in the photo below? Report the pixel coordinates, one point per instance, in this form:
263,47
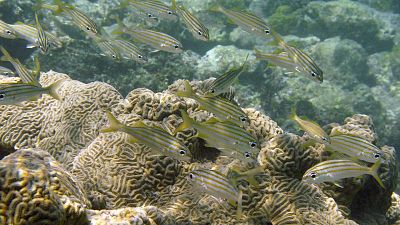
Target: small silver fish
223,82
79,18
312,128
6,31
30,34
333,170
247,21
42,40
26,76
229,138
155,39
6,72
304,63
108,49
153,9
355,147
223,109
129,50
157,139
198,30
15,93
215,184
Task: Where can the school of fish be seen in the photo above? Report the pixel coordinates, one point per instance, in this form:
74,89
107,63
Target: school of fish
226,130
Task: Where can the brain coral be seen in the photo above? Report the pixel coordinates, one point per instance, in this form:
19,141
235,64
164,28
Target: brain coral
113,181
35,189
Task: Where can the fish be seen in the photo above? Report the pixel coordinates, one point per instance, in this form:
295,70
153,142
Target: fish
78,17
153,9
129,50
235,175
355,147
215,184
6,72
160,141
155,39
108,49
221,108
333,170
15,93
222,83
198,30
30,34
248,21
6,31
282,59
42,41
26,76
229,138
312,128
304,63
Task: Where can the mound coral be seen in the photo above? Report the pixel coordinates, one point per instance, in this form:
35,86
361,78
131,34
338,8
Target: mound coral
77,175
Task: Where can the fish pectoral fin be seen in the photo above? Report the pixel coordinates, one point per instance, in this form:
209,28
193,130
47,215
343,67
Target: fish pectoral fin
30,46
337,185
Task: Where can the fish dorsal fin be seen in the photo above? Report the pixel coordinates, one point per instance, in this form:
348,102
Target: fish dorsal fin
212,120
139,124
336,132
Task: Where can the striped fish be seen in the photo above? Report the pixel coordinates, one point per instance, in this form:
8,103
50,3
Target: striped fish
155,39
15,93
223,109
30,34
235,175
157,139
247,21
282,59
78,18
198,30
215,184
6,31
129,50
42,41
355,147
6,72
312,128
304,64
222,83
26,76
333,170
153,9
229,138
108,49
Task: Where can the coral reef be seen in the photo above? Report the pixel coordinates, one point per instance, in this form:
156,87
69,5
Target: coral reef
105,179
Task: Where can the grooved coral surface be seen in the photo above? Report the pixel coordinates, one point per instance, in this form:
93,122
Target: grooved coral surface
35,189
114,181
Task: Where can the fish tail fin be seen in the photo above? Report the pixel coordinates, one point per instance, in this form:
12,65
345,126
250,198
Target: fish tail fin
56,8
239,211
374,173
187,122
174,7
53,89
6,56
114,124
188,91
293,114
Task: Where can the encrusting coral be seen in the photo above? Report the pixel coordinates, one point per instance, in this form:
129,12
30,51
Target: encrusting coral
109,180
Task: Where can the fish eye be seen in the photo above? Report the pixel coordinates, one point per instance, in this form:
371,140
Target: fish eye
114,56
176,46
200,33
8,32
6,73
182,152
267,31
247,155
190,175
313,74
253,144
324,139
243,118
377,155
2,95
139,56
212,91
88,28
169,12
313,175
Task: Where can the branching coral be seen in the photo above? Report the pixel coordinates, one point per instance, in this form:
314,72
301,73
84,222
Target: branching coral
127,184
